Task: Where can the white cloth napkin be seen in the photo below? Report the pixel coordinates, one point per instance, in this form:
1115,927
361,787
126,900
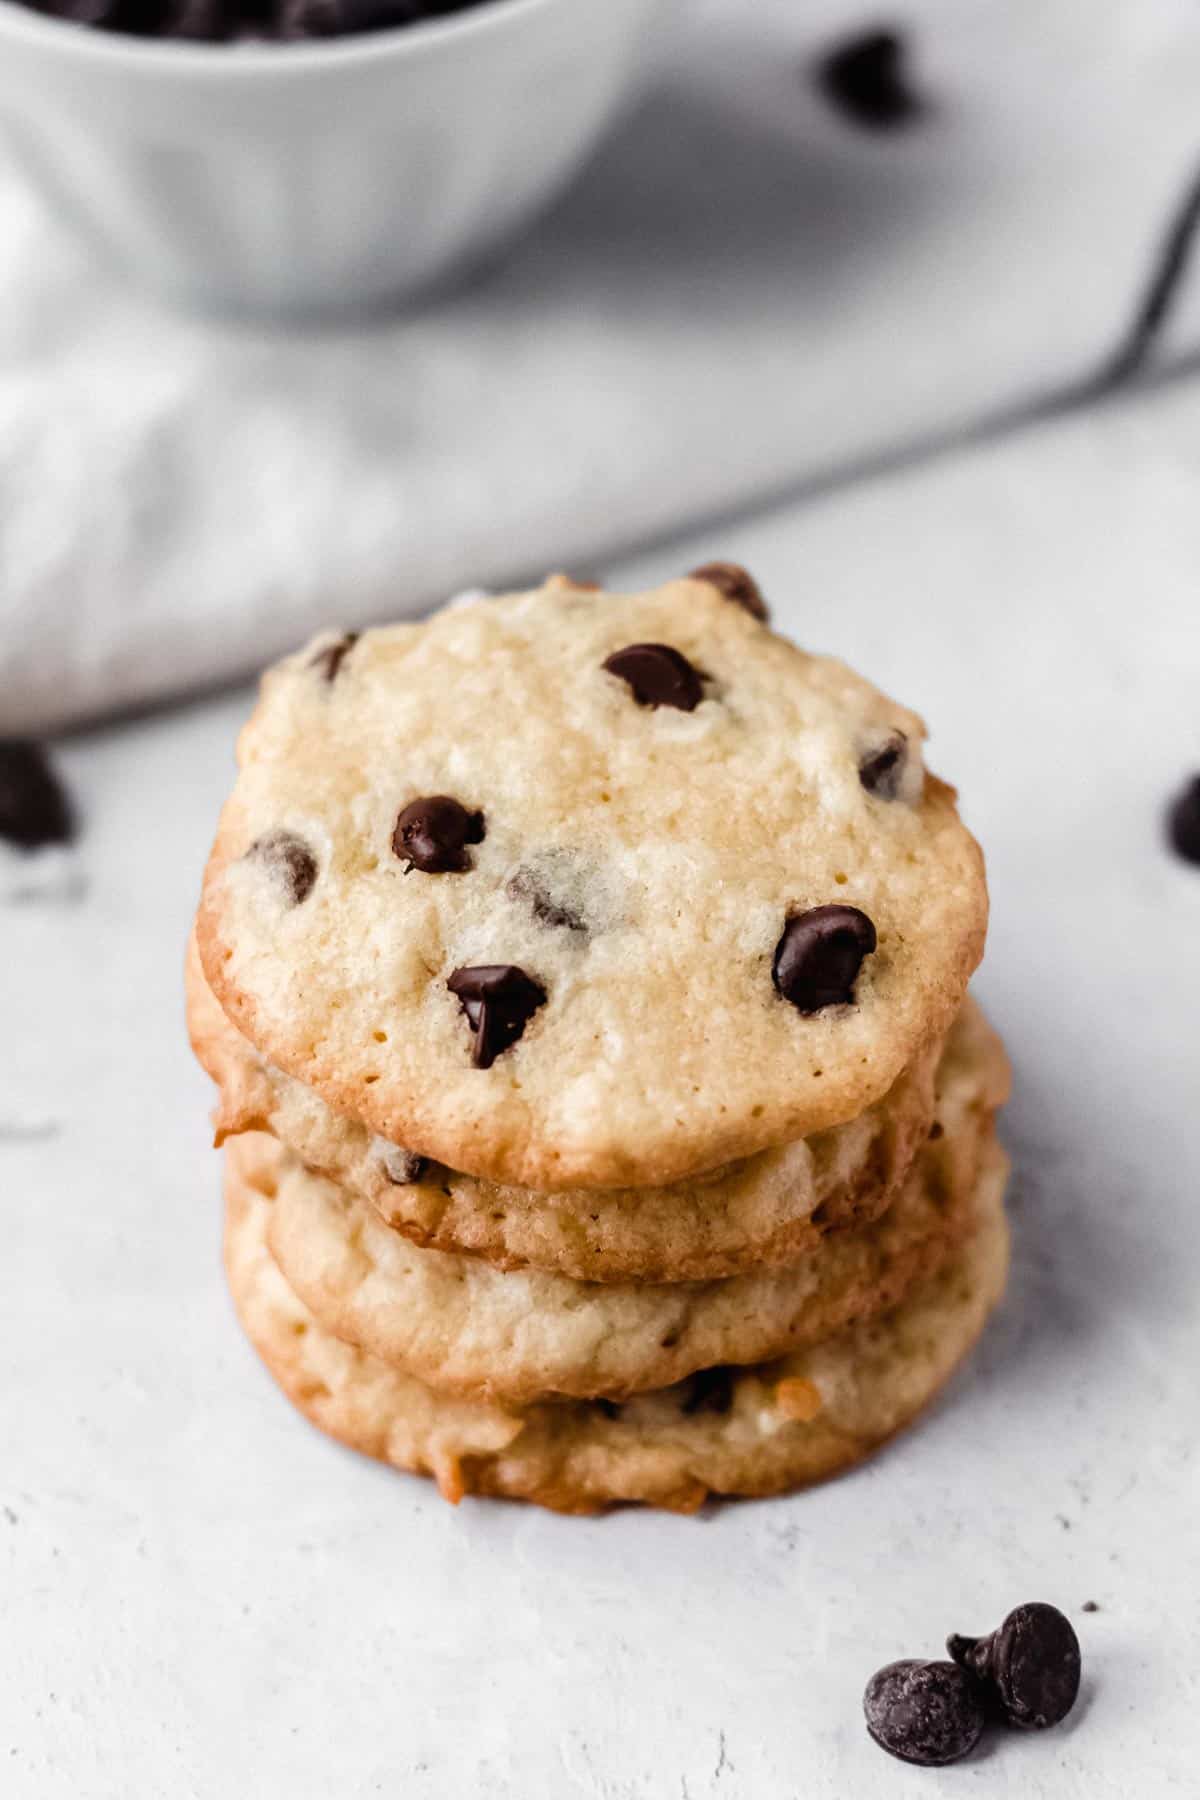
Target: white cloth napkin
744,292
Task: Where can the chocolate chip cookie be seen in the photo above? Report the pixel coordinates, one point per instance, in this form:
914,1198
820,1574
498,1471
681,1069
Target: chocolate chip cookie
572,889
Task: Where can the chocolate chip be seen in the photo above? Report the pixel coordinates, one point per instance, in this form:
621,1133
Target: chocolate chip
818,958
402,1167
709,1391
1032,1662
34,809
924,1712
1183,822
882,770
658,675
1091,1606
330,659
609,1408
866,79
936,1130
432,835
527,885
499,1000
737,584
290,862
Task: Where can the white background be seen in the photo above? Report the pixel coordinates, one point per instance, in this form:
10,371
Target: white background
200,1596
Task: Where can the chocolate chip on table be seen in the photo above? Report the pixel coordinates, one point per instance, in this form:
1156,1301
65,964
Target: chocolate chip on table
818,958
499,1000
527,885
924,1712
865,78
34,809
882,770
330,659
1183,822
737,584
432,835
658,675
290,862
1031,1663
709,1391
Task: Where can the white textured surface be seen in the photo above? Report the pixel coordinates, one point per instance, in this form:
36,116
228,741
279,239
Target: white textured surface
743,291
202,1597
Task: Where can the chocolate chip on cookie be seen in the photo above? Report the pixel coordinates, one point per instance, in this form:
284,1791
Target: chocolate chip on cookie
330,659
658,675
402,1167
290,862
499,1000
818,958
529,885
432,834
34,809
881,770
737,584
709,1391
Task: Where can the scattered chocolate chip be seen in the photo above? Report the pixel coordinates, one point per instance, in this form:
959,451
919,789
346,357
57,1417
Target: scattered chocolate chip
658,675
881,771
402,1167
526,884
924,1712
291,863
737,584
499,1000
1032,1662
1091,1606
330,659
709,1391
432,835
34,809
865,78
1183,822
818,958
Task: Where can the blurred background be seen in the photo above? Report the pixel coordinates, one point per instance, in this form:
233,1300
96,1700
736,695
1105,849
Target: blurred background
817,239
897,309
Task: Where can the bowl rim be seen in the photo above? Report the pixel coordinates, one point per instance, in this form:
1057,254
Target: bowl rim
225,62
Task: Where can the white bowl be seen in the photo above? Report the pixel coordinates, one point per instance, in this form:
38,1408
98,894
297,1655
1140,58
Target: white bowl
315,177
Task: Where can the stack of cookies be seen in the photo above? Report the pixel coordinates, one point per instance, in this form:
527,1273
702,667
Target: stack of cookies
584,979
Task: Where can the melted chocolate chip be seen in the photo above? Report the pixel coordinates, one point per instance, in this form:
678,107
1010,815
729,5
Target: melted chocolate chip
1183,822
1032,1663
818,958
34,809
658,675
924,1712
330,659
526,884
865,78
737,584
709,1391
882,770
291,863
432,835
499,1000
402,1167
609,1408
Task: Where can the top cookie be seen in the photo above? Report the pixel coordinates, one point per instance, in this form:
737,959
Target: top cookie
572,888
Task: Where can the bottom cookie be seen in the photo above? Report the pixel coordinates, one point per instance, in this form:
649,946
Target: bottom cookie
727,1431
